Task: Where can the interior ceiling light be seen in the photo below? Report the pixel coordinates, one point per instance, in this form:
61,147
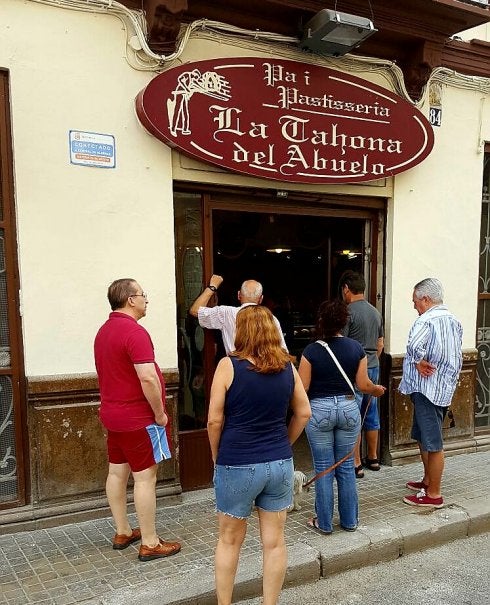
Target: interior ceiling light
349,253
333,33
277,236
278,249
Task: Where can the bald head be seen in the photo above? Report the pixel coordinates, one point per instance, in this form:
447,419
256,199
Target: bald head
250,292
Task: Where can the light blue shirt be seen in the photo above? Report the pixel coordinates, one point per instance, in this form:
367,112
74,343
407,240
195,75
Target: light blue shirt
436,336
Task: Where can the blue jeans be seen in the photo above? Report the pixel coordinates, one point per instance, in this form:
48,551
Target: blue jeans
332,433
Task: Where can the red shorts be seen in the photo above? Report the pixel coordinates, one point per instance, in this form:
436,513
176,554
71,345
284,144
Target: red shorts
141,449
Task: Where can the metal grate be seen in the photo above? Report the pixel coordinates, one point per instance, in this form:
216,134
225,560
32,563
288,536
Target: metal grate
4,324
12,473
482,403
8,461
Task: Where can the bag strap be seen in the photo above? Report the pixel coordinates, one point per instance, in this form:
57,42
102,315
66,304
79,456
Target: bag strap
337,363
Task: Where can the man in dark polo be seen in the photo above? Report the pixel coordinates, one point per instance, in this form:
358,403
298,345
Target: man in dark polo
366,326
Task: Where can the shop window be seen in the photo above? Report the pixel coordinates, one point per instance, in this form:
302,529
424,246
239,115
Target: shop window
189,273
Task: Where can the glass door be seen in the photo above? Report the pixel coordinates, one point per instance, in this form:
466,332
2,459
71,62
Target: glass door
195,462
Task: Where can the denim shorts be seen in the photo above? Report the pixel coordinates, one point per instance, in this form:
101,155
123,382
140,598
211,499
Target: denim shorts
267,485
371,418
427,423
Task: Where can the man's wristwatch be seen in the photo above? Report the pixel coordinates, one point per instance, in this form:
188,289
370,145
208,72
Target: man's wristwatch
212,288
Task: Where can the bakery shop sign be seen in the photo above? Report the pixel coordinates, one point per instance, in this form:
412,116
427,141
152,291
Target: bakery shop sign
284,120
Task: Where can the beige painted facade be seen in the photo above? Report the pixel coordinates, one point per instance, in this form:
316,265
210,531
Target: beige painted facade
78,228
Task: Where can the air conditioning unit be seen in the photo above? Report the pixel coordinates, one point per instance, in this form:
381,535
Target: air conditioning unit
478,2
333,33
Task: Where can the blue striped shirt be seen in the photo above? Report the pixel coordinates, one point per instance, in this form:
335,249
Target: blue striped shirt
436,336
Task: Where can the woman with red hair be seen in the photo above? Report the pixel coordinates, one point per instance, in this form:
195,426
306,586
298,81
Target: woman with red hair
251,447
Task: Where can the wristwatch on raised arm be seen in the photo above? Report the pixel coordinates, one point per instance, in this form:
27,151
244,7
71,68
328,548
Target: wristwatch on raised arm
212,288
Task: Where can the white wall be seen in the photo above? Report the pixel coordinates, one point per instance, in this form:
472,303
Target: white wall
434,216
482,32
434,220
79,228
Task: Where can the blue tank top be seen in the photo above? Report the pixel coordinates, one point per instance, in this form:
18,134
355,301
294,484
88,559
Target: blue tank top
256,405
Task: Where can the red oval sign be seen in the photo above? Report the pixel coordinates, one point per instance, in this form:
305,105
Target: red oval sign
284,120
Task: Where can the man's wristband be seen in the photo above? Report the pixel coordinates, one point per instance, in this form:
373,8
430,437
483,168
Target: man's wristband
212,288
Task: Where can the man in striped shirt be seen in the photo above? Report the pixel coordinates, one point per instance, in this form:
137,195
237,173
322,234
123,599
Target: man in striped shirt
430,373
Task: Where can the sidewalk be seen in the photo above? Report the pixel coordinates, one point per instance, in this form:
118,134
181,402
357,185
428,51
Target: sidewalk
76,563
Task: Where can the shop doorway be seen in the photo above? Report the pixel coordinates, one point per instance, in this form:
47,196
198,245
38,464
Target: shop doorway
298,260
297,251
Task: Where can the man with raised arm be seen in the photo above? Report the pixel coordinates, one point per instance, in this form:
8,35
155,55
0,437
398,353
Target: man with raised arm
223,317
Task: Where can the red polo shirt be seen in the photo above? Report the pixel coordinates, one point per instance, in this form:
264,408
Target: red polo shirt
120,343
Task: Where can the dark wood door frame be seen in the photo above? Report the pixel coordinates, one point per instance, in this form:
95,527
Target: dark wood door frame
14,372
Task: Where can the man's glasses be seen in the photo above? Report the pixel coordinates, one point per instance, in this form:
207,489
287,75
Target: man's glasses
143,294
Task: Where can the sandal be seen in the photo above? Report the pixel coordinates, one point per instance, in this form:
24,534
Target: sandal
372,464
359,471
349,528
312,523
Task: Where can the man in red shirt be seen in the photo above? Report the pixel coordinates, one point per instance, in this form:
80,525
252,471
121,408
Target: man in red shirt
132,395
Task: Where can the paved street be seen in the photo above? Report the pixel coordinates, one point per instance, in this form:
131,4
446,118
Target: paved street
75,563
456,573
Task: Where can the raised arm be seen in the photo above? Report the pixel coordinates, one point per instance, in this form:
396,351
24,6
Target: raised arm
203,299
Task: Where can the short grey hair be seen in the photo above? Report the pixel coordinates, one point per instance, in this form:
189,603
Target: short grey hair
430,287
251,289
